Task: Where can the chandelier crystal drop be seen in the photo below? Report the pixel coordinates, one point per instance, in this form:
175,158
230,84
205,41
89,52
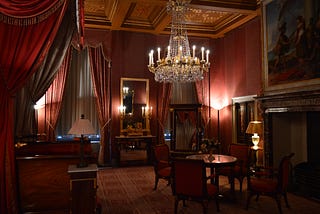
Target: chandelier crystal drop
178,65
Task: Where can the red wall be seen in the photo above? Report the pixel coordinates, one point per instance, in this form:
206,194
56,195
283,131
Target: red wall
236,72
235,68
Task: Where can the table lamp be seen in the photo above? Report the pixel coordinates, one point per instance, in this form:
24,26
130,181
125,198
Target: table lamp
255,128
82,127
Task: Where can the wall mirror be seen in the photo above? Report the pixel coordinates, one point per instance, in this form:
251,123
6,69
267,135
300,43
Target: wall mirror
134,111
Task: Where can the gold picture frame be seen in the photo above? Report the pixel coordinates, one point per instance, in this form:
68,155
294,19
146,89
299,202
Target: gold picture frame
288,65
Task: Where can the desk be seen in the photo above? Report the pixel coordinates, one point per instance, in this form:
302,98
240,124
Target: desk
126,140
218,161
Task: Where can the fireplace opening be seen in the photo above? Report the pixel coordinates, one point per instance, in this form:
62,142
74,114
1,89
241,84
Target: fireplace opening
299,132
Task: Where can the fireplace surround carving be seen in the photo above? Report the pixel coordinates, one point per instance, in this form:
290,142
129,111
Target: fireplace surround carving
303,101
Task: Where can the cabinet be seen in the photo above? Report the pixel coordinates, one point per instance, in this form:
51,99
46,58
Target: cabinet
185,125
83,187
243,114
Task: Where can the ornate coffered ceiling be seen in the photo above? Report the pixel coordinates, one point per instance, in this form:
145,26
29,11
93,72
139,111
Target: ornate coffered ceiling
205,18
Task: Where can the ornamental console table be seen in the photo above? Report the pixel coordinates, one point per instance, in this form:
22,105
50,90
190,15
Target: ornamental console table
135,141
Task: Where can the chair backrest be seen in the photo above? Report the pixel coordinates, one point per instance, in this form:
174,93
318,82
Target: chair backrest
242,152
161,152
189,178
284,172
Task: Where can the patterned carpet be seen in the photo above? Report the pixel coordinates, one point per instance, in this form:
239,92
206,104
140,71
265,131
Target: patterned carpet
129,190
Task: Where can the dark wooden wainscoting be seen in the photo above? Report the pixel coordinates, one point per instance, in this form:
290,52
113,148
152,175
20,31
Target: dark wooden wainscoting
43,180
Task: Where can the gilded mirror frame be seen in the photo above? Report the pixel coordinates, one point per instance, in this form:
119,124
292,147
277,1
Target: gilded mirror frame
139,128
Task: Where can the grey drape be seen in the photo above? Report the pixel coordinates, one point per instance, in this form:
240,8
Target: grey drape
41,80
78,96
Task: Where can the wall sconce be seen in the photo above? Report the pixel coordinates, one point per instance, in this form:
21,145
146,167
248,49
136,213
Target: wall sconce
125,91
255,128
122,111
146,112
82,127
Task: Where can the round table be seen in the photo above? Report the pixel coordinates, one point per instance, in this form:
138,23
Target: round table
217,161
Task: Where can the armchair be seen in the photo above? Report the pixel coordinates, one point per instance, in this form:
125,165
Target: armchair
274,185
162,166
191,183
241,170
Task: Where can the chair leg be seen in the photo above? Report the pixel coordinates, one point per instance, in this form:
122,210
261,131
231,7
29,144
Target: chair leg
176,203
257,198
217,204
277,198
240,182
156,182
205,206
286,199
248,200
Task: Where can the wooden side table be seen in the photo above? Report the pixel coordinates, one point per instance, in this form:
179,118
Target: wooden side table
83,188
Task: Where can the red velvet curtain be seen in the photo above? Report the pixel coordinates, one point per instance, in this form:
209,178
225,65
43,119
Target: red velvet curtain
54,97
203,92
163,108
27,31
101,77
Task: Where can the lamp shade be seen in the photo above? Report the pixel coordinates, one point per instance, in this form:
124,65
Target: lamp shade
82,127
254,127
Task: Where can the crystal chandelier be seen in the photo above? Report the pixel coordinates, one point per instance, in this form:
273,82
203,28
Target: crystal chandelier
178,65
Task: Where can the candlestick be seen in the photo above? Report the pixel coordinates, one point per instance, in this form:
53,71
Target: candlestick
143,111
122,110
158,54
207,55
193,51
151,53
202,53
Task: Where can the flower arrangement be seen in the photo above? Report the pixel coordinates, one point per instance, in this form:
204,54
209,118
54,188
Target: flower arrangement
208,144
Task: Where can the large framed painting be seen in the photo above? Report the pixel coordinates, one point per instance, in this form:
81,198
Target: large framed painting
291,45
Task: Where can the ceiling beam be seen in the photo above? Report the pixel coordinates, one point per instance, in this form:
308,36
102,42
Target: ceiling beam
120,14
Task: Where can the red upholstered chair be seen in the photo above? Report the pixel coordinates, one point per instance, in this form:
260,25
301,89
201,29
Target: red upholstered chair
189,182
274,186
162,167
241,170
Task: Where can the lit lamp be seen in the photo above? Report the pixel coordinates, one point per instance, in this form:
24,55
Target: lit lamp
82,127
255,128
146,114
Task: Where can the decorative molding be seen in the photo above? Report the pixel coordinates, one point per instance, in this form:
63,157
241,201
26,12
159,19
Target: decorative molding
291,102
210,19
244,98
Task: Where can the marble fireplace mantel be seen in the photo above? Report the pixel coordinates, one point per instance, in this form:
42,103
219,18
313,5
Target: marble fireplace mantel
302,101
291,102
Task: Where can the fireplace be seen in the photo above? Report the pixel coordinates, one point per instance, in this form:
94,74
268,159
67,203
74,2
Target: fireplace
291,124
